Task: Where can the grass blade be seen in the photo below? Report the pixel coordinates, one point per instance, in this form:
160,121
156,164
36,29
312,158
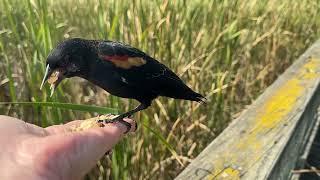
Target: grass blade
78,107
165,143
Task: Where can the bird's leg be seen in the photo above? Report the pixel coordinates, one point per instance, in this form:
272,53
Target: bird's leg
119,118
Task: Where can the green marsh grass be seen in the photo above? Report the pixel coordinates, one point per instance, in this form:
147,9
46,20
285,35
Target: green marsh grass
228,50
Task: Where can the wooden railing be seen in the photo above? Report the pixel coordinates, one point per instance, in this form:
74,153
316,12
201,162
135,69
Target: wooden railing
270,139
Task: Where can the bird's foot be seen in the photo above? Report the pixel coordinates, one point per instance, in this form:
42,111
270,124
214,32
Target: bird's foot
101,120
117,119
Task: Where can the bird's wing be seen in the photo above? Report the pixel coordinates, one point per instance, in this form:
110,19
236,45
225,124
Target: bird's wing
144,73
133,64
110,48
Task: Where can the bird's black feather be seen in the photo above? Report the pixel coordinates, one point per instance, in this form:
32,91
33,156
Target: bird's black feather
152,76
120,69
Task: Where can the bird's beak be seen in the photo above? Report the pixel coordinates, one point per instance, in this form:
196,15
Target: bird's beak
54,77
46,76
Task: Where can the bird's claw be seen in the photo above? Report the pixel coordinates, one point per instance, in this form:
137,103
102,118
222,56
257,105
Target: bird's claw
117,119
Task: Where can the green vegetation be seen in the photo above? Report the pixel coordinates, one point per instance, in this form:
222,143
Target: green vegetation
228,50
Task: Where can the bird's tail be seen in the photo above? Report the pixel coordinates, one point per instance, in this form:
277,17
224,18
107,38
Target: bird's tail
193,96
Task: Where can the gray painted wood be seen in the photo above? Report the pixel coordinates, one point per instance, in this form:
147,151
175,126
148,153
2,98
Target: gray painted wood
310,156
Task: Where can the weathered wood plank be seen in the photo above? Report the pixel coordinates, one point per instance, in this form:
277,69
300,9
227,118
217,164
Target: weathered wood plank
311,152
266,140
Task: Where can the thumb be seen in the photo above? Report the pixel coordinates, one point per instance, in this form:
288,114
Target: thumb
80,151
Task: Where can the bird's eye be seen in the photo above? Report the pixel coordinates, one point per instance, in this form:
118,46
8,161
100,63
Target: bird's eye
65,61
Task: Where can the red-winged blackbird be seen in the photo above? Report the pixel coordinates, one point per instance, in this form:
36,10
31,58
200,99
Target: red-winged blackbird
118,68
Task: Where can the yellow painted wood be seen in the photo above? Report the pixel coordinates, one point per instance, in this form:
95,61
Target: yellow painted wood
269,115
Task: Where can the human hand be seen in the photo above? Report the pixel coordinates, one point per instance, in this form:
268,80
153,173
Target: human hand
31,152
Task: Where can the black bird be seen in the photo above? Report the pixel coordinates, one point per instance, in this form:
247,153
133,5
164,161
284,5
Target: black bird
118,68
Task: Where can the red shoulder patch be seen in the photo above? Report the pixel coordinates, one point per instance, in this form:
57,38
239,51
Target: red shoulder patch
116,58
124,62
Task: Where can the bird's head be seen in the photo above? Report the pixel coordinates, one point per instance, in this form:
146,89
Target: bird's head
67,60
